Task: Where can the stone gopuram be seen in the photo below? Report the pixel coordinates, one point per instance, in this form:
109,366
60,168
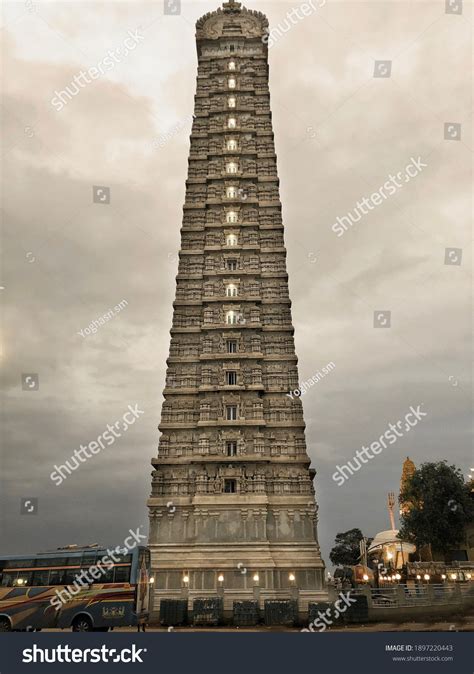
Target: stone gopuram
232,508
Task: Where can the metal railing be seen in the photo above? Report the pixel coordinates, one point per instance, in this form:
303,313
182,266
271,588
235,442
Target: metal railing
402,596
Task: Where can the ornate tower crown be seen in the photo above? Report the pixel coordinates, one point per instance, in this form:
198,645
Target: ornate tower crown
233,21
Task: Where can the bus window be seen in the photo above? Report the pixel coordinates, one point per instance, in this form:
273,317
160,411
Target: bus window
107,575
122,574
7,578
62,576
40,578
56,577
18,563
50,561
88,559
69,576
23,579
16,578
72,561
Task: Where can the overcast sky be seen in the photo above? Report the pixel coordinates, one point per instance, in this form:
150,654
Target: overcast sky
340,132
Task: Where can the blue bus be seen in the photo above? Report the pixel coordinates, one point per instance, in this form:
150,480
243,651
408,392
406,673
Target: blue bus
83,588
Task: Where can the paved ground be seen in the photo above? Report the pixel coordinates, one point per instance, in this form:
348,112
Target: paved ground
454,626
464,623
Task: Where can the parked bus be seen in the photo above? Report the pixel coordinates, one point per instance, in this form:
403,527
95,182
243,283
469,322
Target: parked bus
57,589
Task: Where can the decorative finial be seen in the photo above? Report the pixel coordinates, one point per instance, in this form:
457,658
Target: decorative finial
232,5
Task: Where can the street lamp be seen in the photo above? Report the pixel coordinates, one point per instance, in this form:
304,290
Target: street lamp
426,576
220,578
453,576
256,577
185,579
291,577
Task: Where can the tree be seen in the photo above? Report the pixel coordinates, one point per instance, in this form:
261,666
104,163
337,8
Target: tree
437,505
346,550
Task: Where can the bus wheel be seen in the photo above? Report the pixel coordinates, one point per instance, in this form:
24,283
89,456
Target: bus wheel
5,625
82,624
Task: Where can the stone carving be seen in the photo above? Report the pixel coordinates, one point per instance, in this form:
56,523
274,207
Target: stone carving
213,25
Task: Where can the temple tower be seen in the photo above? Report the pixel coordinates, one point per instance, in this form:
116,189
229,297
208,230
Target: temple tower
408,470
232,508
